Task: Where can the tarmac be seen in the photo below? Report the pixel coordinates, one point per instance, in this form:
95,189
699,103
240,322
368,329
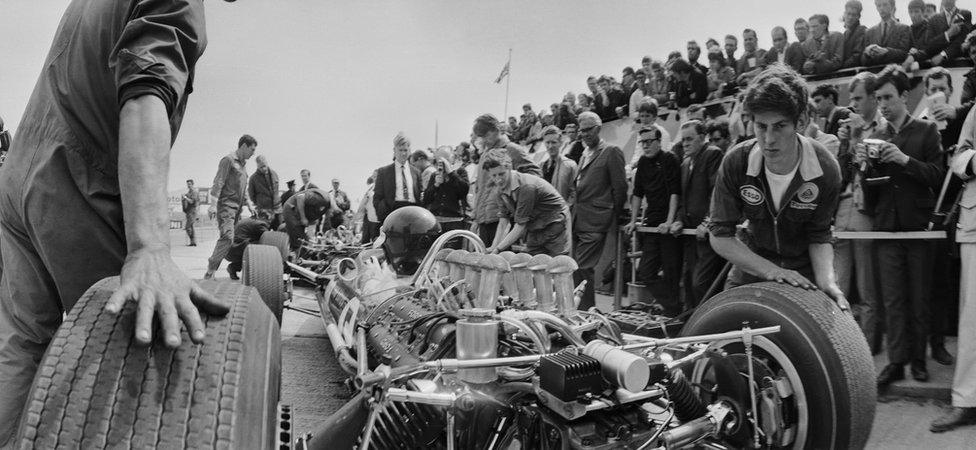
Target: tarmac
314,385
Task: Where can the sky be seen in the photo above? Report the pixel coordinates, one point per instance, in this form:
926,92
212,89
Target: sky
327,84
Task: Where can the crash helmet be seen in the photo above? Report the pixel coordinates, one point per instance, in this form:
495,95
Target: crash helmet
408,234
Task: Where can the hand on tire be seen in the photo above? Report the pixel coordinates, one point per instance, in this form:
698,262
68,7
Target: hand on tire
790,277
151,278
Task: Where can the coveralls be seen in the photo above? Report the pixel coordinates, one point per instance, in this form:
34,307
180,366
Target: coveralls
316,204
60,205
783,237
229,187
190,211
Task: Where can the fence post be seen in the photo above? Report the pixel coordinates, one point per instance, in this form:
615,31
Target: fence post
618,277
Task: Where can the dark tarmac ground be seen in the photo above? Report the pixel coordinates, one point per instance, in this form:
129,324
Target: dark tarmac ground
312,382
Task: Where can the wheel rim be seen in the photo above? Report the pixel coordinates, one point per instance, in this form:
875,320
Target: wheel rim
782,362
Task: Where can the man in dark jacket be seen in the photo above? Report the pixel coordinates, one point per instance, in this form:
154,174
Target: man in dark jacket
397,184
911,160
689,85
189,202
262,188
887,42
854,34
948,29
698,170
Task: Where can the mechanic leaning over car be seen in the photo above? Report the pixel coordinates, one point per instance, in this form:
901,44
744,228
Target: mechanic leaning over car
303,208
83,190
785,185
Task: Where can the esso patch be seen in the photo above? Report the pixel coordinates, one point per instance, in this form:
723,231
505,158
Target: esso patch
808,192
751,194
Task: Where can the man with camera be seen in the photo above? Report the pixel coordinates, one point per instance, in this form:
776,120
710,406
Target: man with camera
901,173
854,259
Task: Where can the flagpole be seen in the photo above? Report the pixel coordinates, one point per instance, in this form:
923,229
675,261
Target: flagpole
435,133
508,83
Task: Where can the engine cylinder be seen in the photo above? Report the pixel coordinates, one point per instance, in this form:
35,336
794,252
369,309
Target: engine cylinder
477,338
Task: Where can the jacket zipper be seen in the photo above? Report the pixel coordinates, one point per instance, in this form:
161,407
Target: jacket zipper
775,215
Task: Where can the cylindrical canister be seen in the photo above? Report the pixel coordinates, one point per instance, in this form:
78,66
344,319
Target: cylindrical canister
477,338
622,368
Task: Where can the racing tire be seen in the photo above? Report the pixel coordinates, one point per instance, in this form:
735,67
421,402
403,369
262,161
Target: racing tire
262,270
827,354
96,388
278,240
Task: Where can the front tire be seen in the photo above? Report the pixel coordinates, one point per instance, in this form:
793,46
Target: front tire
96,388
819,350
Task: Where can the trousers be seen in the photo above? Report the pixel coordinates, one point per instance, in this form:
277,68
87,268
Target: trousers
191,219
700,268
660,269
227,217
964,379
855,263
62,230
587,248
906,274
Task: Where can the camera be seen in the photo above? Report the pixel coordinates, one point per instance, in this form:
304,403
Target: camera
869,167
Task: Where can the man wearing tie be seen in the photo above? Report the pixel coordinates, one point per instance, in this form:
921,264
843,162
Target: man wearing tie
887,42
397,184
601,191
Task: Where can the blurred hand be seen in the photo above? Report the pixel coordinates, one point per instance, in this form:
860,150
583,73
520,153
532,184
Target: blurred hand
943,112
664,228
890,153
676,228
860,153
701,232
304,222
150,278
953,31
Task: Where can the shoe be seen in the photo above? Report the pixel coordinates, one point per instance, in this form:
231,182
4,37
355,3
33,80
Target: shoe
919,373
890,374
953,418
193,244
233,274
209,275
940,354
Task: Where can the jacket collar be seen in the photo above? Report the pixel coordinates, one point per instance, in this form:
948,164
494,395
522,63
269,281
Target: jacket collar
810,167
514,182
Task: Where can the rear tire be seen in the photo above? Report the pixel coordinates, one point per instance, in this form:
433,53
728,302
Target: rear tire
262,269
96,388
278,240
818,347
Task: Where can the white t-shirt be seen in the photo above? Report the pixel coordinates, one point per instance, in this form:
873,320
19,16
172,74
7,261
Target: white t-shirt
779,183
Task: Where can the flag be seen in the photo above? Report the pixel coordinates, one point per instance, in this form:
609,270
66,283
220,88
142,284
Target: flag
504,73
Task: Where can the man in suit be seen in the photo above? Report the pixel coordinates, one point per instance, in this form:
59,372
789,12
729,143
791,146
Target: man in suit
485,207
783,51
887,42
262,188
698,171
912,160
823,51
306,181
397,184
947,31
751,61
572,146
854,34
558,170
794,54
601,191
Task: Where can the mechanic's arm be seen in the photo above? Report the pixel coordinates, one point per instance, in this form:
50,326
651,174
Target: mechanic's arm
500,231
219,179
822,259
149,275
511,238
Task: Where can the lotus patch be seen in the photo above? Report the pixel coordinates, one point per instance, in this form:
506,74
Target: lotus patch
808,192
751,195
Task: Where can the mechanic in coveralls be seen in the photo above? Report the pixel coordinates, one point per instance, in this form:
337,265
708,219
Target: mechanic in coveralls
92,151
304,208
786,185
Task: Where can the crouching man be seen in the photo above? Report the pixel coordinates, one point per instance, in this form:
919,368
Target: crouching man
785,185
528,206
303,208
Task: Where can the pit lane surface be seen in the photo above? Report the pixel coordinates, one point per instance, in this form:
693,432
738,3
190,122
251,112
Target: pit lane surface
313,383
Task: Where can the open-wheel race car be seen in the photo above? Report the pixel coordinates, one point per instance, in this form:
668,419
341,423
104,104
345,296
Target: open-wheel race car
471,351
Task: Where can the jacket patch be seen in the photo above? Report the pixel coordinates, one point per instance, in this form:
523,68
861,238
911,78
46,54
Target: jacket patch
808,192
751,195
797,205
